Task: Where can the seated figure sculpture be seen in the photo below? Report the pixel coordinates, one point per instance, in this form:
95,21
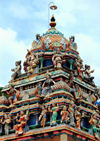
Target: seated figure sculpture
17,71
22,122
58,59
88,73
11,94
47,85
32,64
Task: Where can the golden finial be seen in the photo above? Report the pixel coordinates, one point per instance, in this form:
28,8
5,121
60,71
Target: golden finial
52,23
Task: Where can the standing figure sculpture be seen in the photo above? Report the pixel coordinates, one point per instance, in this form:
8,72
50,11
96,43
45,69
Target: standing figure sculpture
71,114
54,111
43,116
78,117
64,114
58,59
72,44
17,71
47,85
22,122
7,122
93,123
78,92
71,83
78,68
32,64
38,89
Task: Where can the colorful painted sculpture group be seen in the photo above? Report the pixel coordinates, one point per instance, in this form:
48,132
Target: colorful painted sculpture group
58,60
21,118
44,89
71,116
82,72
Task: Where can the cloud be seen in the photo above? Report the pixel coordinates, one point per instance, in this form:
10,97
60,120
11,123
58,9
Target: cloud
10,51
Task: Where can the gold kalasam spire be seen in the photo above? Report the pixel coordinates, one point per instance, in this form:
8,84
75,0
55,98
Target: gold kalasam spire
52,23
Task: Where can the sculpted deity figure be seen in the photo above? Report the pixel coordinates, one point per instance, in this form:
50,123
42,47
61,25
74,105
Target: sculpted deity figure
22,122
97,103
98,125
47,85
93,123
38,89
64,43
72,44
47,42
7,122
88,73
54,111
78,117
17,71
71,83
64,114
43,116
32,64
11,94
58,59
78,68
71,114
78,92
91,98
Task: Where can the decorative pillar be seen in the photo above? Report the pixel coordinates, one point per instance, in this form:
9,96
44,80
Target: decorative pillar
71,61
14,122
41,62
63,137
37,118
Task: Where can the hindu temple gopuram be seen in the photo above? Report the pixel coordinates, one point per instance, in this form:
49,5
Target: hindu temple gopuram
56,98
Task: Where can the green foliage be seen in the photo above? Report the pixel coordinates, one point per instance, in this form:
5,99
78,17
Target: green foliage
6,95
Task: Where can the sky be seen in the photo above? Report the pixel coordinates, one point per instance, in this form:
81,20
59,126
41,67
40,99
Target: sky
21,20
